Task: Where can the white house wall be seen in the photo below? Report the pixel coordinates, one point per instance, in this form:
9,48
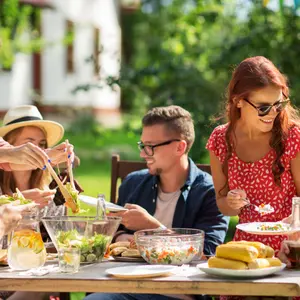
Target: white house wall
57,84
106,17
53,59
21,80
83,71
5,79
16,85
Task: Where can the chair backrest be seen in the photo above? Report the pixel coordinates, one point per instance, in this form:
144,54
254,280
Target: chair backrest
121,168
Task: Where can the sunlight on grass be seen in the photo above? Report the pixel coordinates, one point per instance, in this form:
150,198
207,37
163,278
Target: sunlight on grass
95,185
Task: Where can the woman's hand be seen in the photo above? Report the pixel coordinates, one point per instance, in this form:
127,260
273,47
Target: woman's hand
283,253
25,157
61,153
42,197
235,199
9,219
287,220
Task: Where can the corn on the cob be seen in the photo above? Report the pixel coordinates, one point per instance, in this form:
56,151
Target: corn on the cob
270,251
274,262
261,248
241,252
259,263
223,263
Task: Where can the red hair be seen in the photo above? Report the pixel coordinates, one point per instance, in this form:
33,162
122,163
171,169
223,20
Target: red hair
253,74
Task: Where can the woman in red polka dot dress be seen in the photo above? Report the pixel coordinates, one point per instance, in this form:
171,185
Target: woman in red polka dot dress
257,153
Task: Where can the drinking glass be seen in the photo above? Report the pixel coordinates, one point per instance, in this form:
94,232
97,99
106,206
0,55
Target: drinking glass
69,260
293,241
294,253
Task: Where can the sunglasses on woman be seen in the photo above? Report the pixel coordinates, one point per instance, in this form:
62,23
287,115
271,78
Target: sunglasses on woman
263,110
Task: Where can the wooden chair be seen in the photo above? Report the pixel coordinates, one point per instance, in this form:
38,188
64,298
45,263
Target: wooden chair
121,168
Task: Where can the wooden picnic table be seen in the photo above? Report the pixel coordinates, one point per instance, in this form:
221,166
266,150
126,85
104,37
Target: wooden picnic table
92,278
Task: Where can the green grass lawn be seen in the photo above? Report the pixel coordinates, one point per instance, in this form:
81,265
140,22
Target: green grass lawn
94,178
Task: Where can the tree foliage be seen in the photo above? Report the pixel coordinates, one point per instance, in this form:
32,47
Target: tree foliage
183,52
18,31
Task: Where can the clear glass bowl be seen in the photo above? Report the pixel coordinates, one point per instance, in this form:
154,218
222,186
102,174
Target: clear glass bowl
174,246
89,235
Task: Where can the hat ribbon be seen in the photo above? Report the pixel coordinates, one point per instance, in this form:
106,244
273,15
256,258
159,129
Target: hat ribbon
23,119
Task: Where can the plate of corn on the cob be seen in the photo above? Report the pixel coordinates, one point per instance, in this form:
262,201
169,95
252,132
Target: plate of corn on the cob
243,259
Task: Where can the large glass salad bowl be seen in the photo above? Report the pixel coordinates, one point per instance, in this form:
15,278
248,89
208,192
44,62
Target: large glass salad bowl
89,235
174,246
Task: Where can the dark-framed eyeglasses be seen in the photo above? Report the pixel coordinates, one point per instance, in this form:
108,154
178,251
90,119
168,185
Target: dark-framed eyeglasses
263,110
149,149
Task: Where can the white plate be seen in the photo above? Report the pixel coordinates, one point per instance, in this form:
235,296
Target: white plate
254,228
22,207
93,201
254,273
141,271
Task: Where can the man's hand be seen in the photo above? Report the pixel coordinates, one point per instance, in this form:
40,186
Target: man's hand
9,219
24,157
137,218
42,197
124,237
61,153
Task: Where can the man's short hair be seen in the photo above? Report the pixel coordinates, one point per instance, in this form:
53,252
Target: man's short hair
176,120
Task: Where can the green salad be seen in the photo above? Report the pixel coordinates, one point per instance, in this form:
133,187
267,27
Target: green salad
74,194
92,248
18,196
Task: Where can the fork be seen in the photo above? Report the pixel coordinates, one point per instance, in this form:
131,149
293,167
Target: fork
256,208
260,210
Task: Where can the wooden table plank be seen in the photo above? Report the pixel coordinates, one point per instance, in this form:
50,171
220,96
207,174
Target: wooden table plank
92,278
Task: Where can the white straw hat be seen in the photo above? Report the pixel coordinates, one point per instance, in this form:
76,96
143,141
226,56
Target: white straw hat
29,115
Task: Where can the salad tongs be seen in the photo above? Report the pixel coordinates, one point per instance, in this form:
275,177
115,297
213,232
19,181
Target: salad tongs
70,169
69,200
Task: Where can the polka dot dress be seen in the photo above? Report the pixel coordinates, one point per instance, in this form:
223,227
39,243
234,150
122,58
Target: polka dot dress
258,181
